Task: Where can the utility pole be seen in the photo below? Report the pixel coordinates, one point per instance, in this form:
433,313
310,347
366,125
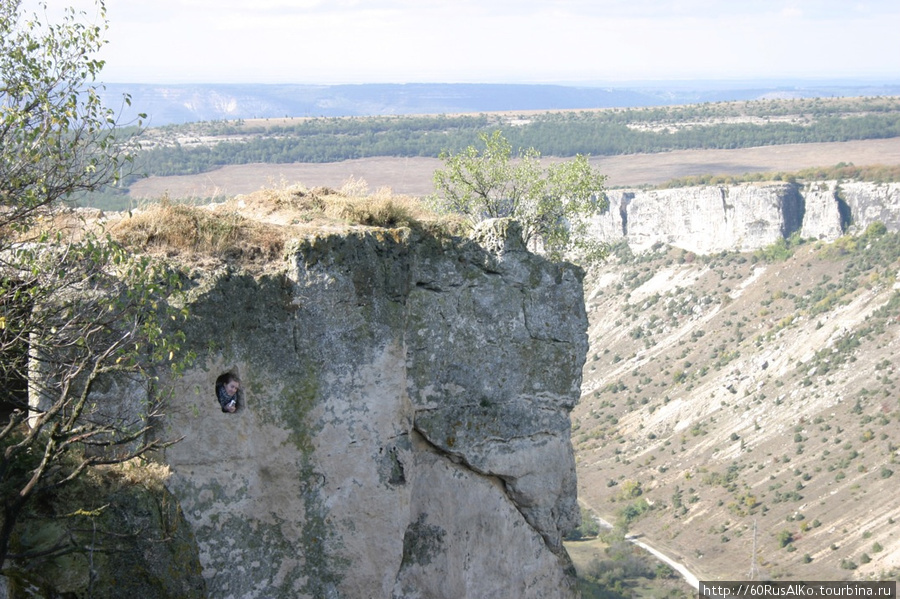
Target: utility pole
754,571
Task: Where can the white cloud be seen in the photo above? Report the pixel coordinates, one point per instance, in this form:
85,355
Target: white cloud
791,12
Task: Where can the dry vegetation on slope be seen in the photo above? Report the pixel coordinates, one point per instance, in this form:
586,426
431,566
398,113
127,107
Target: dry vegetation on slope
256,227
737,390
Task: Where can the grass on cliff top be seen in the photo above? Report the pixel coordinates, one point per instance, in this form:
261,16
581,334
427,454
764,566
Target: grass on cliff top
258,225
874,173
182,228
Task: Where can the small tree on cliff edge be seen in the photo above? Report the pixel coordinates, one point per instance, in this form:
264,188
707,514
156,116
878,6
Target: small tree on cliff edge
77,310
552,204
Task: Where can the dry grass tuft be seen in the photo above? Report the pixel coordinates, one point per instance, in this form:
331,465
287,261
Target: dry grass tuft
383,209
150,475
304,205
375,211
351,205
258,224
191,229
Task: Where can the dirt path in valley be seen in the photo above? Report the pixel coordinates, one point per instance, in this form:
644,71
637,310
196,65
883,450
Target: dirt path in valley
688,576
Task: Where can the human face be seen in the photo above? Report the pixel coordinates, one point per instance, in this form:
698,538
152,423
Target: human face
232,388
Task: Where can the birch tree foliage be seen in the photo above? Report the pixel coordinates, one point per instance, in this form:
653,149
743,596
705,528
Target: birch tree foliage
79,312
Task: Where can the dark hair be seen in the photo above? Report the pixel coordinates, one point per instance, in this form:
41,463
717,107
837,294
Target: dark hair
224,379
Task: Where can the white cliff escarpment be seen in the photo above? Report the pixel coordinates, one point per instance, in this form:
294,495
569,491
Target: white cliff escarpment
403,429
745,217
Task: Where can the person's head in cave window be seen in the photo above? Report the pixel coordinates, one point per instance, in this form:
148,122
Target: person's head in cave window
227,387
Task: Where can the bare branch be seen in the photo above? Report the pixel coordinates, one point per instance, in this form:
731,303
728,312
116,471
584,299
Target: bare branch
79,311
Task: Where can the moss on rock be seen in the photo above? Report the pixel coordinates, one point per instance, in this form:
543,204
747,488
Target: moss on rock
110,533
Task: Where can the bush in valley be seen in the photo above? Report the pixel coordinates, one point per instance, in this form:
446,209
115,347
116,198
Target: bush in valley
632,512
588,529
624,567
785,538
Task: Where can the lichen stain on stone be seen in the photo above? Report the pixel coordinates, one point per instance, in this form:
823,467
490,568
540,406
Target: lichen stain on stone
296,402
422,542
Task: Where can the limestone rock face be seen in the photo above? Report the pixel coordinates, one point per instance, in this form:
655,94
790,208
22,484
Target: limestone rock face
403,425
872,202
704,219
744,217
822,214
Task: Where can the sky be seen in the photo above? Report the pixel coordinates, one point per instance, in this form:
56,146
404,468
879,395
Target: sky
496,41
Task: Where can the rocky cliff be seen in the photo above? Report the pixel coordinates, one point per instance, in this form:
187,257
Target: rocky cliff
403,428
745,217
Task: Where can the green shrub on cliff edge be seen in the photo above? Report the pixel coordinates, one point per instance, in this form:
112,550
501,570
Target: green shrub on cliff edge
552,204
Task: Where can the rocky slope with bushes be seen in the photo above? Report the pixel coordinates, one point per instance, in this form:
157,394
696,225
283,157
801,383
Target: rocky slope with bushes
740,409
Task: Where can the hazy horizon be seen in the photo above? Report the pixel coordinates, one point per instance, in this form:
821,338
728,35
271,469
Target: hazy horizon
567,42
737,83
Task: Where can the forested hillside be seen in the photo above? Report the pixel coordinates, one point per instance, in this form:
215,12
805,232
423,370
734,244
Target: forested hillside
198,147
206,146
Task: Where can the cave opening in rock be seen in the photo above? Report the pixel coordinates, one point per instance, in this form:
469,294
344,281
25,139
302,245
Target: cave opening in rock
228,392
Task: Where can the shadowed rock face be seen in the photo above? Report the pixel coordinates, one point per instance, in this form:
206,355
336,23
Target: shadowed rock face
403,427
746,217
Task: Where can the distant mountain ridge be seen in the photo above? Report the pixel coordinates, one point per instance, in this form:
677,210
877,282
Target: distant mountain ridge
182,103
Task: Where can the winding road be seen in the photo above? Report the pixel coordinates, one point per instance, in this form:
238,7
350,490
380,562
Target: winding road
688,576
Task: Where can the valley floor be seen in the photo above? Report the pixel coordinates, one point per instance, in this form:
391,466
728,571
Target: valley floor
413,176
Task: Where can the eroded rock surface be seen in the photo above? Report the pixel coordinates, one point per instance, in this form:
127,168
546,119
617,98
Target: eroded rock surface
746,217
403,428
